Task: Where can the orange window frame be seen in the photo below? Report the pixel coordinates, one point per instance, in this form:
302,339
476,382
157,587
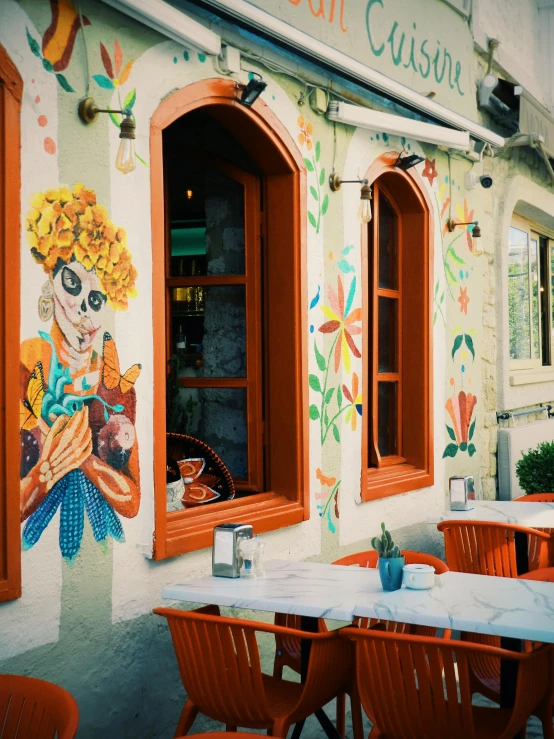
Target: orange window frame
413,467
11,93
251,279
283,233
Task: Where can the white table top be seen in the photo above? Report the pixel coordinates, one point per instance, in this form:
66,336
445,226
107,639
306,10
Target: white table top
534,515
522,609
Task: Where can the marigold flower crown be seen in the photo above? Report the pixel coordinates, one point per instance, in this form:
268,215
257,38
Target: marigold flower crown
70,226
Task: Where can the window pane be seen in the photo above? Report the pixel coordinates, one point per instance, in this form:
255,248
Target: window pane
209,324
535,297
388,334
388,245
388,418
518,295
207,224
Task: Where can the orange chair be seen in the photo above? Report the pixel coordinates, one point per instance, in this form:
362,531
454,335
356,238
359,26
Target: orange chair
536,498
485,670
415,687
220,668
489,547
222,735
287,650
36,709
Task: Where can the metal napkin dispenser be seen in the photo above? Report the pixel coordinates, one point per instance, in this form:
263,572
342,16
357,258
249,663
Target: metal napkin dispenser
462,493
225,552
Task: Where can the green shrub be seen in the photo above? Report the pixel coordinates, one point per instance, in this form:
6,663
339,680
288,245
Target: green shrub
535,470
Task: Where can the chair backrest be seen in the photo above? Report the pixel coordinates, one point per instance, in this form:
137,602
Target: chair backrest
414,687
36,709
369,559
488,547
536,498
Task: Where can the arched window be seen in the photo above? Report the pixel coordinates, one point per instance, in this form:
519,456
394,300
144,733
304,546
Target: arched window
11,91
229,309
397,438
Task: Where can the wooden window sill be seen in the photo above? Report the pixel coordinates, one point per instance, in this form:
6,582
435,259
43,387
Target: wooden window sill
529,377
192,529
393,480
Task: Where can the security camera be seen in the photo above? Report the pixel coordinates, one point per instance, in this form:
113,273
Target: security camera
486,181
472,180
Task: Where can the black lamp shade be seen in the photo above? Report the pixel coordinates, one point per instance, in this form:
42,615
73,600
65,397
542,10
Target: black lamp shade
409,161
252,91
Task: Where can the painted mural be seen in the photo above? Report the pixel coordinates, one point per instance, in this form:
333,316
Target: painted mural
79,451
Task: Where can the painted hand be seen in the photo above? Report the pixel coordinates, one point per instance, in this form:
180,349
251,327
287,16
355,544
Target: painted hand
67,445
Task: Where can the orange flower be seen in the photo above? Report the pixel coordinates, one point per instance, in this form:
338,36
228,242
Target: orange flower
463,300
460,409
306,131
324,480
355,398
466,216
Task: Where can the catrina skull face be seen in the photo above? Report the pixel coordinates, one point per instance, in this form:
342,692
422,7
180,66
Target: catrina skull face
78,304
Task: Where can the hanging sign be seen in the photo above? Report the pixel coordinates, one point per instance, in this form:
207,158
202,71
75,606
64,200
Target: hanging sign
426,46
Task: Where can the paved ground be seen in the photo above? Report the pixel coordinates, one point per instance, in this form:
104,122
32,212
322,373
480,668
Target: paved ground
312,729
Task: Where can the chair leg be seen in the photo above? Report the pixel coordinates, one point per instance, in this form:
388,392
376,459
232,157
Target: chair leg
188,714
545,715
341,714
357,720
278,669
281,728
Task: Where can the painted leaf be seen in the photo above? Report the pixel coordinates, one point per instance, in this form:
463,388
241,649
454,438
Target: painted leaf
332,527
336,433
314,383
455,257
118,56
437,287
202,58
434,317
451,433
130,99
469,344
314,192
329,395
322,177
103,81
471,450
141,160
449,274
325,205
47,65
350,298
314,412
309,165
339,396
457,344
441,301
33,44
450,451
106,61
317,151
463,446
312,219
315,300
320,359
326,418
472,430
126,72
345,267
64,83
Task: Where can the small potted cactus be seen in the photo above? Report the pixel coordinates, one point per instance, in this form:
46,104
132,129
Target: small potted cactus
391,560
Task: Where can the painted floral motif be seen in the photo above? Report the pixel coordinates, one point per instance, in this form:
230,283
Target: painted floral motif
460,409
116,76
466,215
342,319
312,165
58,40
325,498
463,300
429,171
355,398
65,225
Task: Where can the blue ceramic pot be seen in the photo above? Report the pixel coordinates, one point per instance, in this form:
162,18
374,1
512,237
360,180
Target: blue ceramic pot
391,572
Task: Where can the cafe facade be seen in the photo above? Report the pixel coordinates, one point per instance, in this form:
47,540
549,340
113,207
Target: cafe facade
325,258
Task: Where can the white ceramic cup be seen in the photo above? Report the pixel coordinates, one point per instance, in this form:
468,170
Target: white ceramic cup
419,577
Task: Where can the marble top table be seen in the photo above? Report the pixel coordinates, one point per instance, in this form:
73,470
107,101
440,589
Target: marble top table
533,515
507,607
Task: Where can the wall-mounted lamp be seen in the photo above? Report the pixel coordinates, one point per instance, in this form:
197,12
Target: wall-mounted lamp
252,91
125,160
364,211
475,232
409,161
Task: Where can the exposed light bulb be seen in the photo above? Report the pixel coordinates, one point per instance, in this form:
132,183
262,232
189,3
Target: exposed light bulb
364,211
189,194
125,160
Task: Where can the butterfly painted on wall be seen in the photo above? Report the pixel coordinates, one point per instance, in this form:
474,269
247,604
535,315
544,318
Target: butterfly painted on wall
30,407
197,485
111,372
